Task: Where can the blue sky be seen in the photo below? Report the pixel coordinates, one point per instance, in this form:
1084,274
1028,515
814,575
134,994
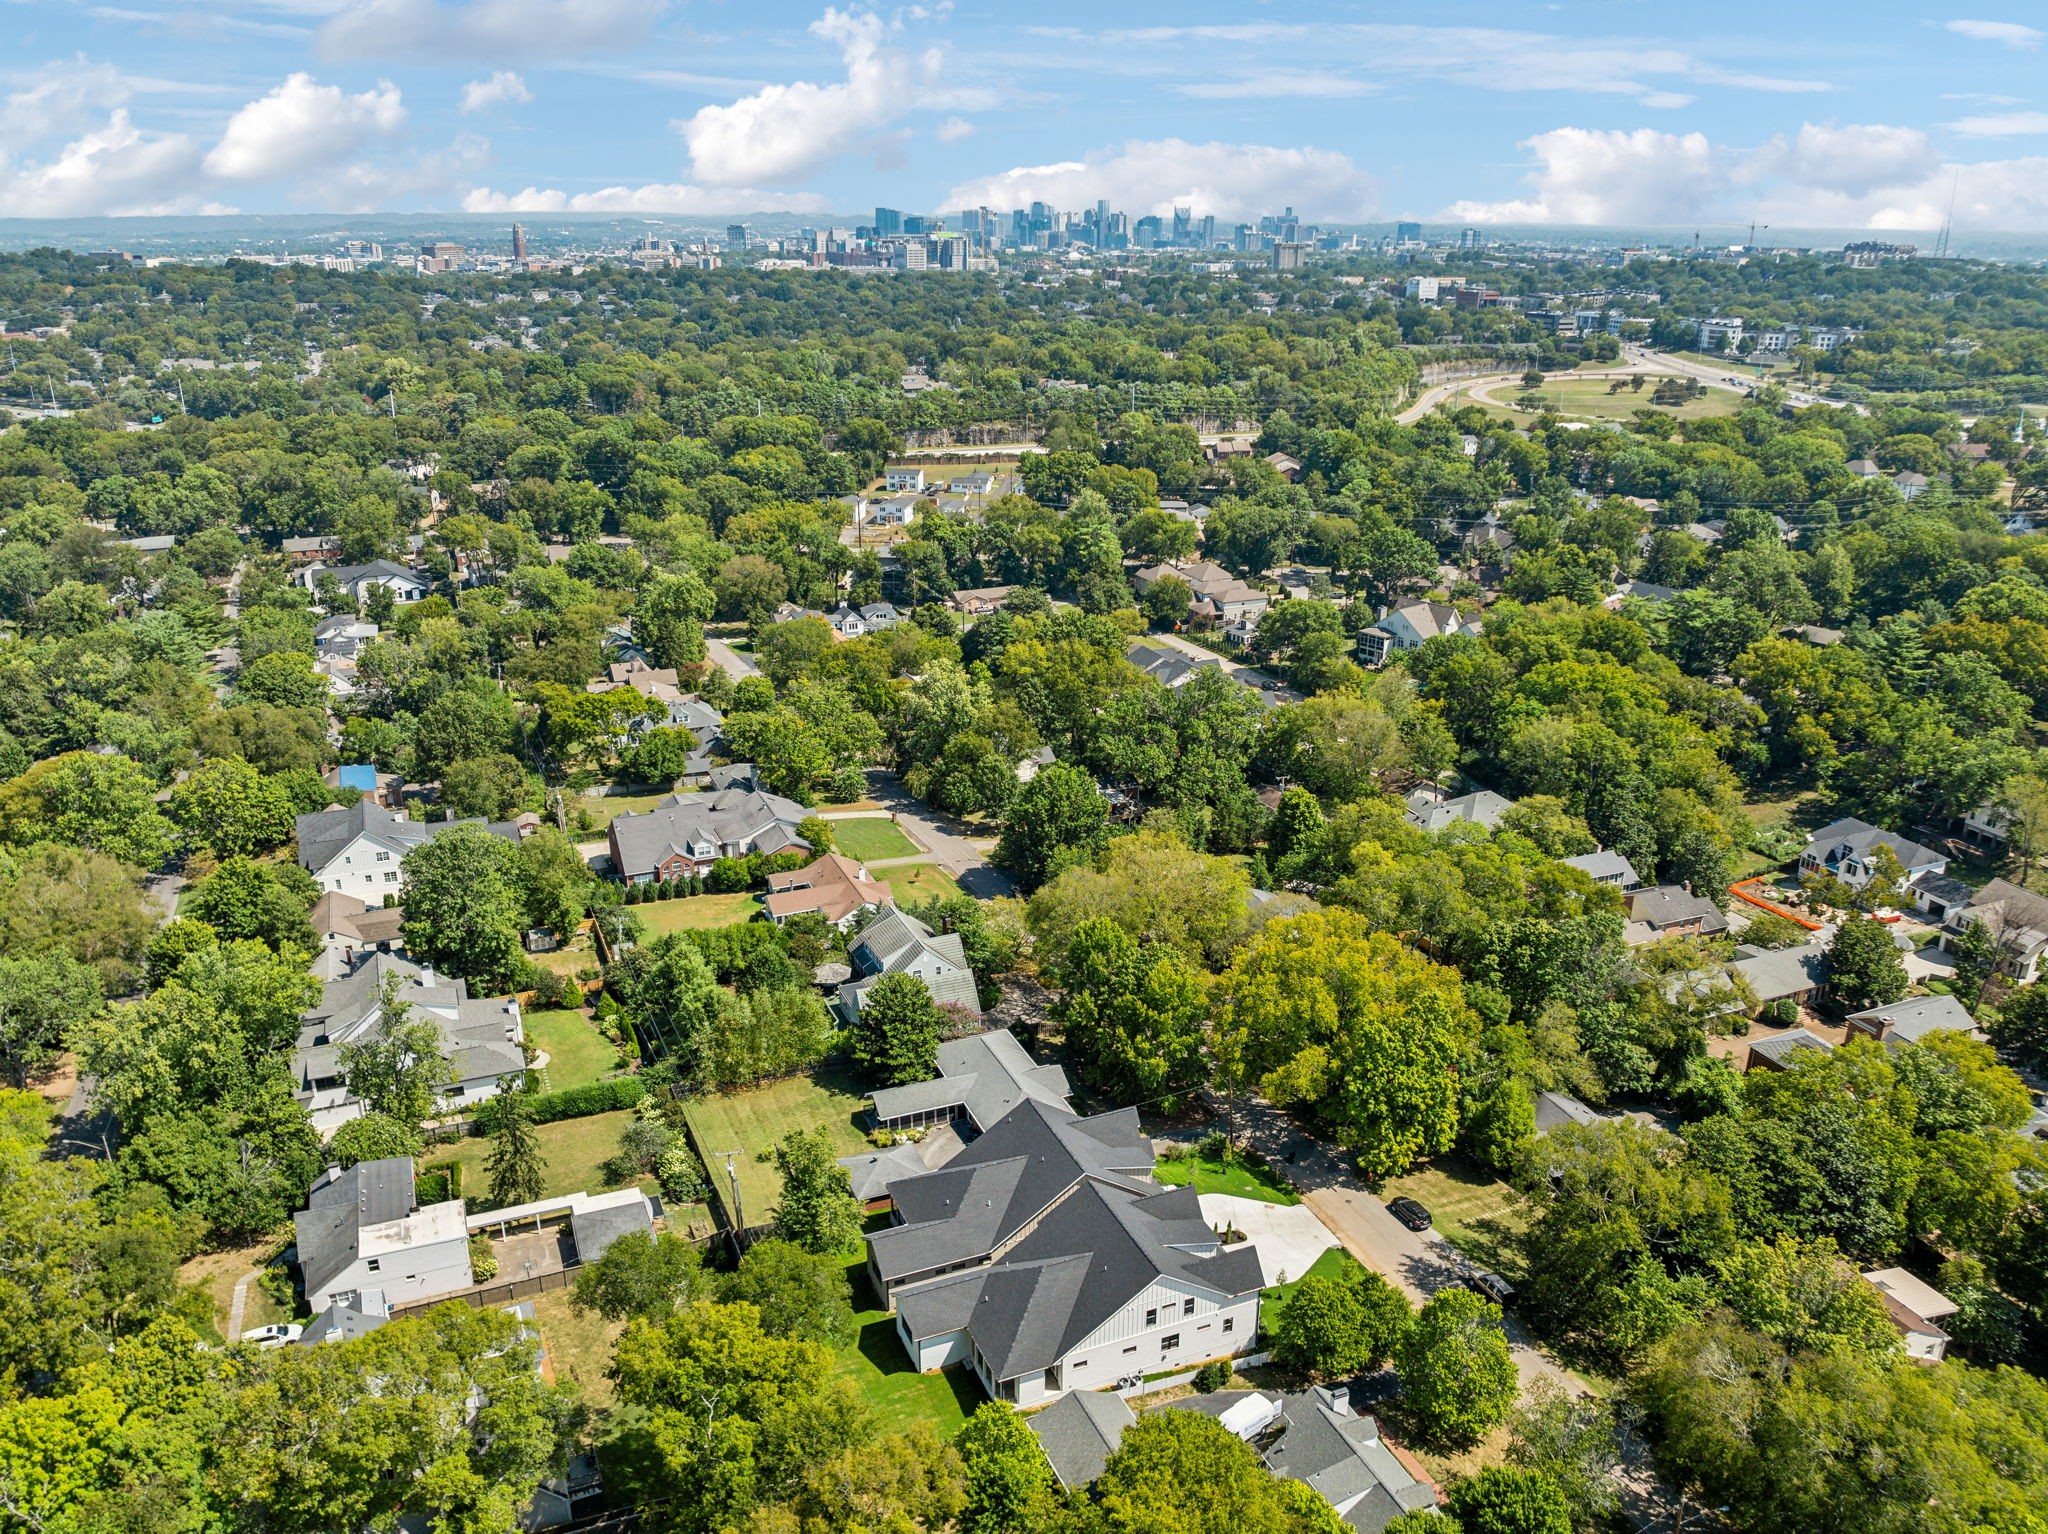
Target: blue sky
1609,112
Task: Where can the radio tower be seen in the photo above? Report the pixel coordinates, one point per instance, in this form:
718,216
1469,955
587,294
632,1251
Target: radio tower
1941,239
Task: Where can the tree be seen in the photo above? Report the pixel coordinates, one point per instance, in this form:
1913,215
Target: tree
1457,1376
374,1137
518,1165
1339,1326
399,1069
817,1210
82,903
799,1293
1185,1472
42,999
486,787
1009,1483
464,905
83,799
1057,819
733,1413
1322,1010
1864,966
670,995
1571,1439
641,1275
1134,1015
264,902
668,618
231,809
1976,958
557,881
2021,1027
660,756
1506,1500
1166,601
894,1037
283,679
1155,887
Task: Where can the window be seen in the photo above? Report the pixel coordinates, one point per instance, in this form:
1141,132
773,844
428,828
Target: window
1169,1342
1151,1318
383,857
1132,1348
373,1265
1188,1306
1079,1363
1230,1323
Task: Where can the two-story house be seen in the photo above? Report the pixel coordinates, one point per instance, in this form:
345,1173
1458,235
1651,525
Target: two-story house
896,943
1848,849
1408,626
364,1232
686,834
358,849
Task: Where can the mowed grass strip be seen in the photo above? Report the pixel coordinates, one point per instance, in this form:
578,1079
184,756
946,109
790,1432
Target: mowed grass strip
914,882
576,1150
577,1053
871,838
1236,1178
1475,1211
751,1121
696,913
876,1365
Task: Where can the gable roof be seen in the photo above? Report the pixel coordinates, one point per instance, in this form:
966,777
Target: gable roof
1786,1046
1088,1257
324,834
1784,972
1079,1432
834,886
895,941
1671,905
987,1074
1481,808
1604,865
1168,666
1428,620
1915,1017
340,1206
702,826
1850,837
1000,1182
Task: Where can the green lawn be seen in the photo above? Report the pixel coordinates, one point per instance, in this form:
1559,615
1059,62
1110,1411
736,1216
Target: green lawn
575,1149
753,1120
912,882
579,1348
577,1053
867,840
1475,1211
1236,1179
1587,399
696,912
1334,1263
598,811
879,1369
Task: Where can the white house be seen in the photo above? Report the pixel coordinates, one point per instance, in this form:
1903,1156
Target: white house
1848,849
1914,1308
359,849
406,585
905,477
363,1231
482,1037
1409,626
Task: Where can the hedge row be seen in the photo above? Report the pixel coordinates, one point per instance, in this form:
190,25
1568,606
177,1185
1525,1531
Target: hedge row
593,1097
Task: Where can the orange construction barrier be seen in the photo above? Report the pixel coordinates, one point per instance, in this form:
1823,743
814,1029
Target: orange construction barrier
1740,890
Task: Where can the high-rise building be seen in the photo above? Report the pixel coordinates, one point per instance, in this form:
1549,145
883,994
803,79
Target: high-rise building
1148,232
917,223
518,242
1407,232
1471,239
1287,255
888,223
1183,226
1205,232
735,236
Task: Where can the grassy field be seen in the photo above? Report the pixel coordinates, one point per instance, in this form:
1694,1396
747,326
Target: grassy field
216,1272
600,810
1334,1263
579,1348
876,1365
1587,399
919,881
868,840
1235,1179
575,1150
1475,1211
697,912
577,1052
752,1121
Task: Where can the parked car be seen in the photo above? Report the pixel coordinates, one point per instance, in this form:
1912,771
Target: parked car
1410,1214
1491,1285
279,1334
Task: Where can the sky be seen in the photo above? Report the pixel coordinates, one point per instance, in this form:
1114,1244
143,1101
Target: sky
1815,114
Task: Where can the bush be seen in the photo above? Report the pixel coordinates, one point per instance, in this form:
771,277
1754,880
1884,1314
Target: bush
1215,1146
1214,1375
483,1260
604,1096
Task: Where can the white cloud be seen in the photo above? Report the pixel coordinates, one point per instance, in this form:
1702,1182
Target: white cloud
1825,176
487,29
1851,160
784,132
2000,125
61,98
954,129
302,127
1278,85
1594,176
680,198
116,169
2010,33
1154,176
505,85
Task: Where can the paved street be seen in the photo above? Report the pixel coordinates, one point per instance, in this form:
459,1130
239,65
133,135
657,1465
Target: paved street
730,661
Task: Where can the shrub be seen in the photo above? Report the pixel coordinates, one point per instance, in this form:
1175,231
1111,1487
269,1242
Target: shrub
1215,1146
604,1096
1214,1375
483,1261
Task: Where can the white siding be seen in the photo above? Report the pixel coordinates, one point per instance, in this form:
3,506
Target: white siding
407,1277
365,869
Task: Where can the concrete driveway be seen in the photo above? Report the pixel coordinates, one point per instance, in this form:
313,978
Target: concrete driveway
730,661
1288,1237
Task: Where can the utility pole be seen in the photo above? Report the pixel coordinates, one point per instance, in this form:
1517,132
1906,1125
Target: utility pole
739,1218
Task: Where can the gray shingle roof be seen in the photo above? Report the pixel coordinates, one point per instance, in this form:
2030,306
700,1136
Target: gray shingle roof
1785,1046
596,1229
988,1074
1483,808
1784,971
1002,1180
1672,905
728,822
1082,1262
338,1206
323,834
1860,839
1079,1432
893,942
1917,1016
1603,866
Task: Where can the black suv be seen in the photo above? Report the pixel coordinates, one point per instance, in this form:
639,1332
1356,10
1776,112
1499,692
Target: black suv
1410,1214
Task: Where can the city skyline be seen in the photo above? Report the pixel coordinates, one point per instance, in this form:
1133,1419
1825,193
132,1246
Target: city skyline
1872,117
